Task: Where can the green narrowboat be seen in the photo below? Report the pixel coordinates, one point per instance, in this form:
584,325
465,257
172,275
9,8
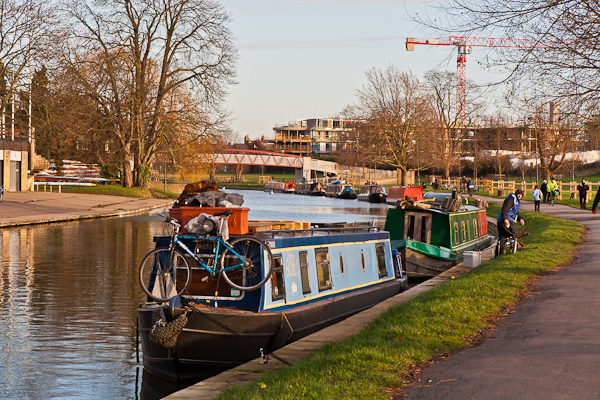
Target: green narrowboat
432,238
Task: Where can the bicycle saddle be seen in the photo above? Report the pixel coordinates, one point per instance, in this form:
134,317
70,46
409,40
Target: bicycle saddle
227,212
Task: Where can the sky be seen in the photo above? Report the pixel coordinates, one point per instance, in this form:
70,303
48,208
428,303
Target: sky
301,59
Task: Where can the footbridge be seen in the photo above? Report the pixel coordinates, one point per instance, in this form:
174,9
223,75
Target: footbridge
303,165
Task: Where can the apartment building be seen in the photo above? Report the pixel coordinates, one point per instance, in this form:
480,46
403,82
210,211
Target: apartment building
311,137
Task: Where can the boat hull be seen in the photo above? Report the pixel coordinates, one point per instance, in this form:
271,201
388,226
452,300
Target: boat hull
347,195
373,197
422,260
204,349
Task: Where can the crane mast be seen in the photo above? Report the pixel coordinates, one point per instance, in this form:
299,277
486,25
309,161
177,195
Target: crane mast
463,45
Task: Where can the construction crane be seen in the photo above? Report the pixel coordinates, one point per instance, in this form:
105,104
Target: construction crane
463,45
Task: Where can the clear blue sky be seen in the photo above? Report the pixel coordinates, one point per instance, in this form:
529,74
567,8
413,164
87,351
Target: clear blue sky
305,58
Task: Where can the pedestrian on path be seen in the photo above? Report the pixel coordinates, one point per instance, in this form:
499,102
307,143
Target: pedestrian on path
509,215
544,189
596,200
537,196
583,189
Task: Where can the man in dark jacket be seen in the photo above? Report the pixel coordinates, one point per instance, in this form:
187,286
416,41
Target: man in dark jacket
544,189
509,215
583,189
596,200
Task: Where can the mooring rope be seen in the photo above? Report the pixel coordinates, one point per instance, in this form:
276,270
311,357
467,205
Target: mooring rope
194,308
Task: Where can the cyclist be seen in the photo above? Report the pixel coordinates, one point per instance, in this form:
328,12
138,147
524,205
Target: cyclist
552,190
509,215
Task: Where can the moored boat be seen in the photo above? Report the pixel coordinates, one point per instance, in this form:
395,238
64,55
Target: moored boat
347,193
396,193
290,187
373,193
341,190
432,235
319,277
310,189
274,186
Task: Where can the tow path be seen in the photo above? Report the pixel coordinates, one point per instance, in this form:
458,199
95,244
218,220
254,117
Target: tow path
548,348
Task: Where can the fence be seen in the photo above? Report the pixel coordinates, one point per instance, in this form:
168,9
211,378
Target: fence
503,188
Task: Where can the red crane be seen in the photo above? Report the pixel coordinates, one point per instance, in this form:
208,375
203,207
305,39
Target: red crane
463,45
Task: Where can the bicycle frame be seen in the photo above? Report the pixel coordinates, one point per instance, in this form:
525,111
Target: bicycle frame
175,241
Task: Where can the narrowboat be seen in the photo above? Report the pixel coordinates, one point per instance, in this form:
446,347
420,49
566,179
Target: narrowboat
397,193
432,235
310,189
373,193
319,276
341,190
274,186
347,193
290,187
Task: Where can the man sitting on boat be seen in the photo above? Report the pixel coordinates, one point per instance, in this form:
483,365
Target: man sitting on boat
509,215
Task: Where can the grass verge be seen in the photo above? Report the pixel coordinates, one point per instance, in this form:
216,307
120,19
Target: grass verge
379,359
114,190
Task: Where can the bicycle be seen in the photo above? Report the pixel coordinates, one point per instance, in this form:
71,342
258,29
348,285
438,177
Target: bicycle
165,271
552,195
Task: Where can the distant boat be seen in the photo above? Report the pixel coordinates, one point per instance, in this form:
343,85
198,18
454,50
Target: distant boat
290,187
274,186
311,189
373,193
341,190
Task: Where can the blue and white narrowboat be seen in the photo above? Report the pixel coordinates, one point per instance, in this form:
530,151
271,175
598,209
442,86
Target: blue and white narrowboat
320,276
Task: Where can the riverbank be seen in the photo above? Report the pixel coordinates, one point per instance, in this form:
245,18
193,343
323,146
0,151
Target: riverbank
385,356
29,208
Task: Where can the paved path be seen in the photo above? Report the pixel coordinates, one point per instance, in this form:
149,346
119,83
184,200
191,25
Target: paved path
549,348
26,208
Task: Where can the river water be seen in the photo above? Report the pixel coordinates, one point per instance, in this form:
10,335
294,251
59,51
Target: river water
69,291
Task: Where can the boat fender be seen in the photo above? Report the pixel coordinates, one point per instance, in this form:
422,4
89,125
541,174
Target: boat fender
165,333
174,303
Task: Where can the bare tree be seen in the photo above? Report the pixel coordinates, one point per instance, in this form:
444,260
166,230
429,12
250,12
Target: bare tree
154,69
394,110
450,129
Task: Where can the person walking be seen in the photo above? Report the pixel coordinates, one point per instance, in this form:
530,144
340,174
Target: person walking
552,190
583,189
544,190
470,187
596,200
537,196
508,217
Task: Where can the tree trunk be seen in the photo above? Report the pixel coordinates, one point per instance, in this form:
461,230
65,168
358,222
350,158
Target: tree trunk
127,179
212,171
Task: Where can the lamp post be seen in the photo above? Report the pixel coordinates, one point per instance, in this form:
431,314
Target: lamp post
416,143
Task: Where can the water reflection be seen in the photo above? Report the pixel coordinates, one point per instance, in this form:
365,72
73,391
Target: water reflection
69,291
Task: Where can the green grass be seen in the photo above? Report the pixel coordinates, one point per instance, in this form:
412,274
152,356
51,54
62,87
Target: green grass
115,190
377,360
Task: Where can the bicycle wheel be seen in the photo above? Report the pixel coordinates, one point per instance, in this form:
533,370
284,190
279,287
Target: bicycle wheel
244,270
164,274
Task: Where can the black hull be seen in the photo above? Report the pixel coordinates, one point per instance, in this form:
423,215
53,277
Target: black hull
347,196
204,349
317,193
377,198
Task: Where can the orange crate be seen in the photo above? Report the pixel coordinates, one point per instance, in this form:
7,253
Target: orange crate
238,221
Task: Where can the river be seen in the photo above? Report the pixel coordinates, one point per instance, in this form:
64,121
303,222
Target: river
69,291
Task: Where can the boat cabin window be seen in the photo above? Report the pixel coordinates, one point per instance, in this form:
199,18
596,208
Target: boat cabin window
341,264
381,264
464,231
425,228
323,271
410,226
417,226
475,227
277,281
456,237
362,259
304,272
